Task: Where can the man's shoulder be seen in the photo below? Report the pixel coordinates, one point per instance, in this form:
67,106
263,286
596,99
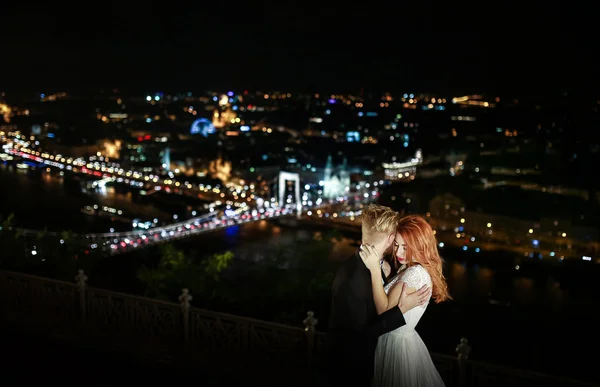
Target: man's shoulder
349,265
352,272
347,269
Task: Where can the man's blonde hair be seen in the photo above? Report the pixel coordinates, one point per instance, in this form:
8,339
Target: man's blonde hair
379,219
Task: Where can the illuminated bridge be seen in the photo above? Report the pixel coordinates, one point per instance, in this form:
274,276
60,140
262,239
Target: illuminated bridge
115,243
243,205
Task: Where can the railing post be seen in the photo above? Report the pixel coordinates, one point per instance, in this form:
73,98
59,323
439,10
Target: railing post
310,323
184,300
81,279
462,349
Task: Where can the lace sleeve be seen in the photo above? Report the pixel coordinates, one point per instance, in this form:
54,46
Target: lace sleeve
415,277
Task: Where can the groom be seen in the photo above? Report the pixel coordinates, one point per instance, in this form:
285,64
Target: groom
354,323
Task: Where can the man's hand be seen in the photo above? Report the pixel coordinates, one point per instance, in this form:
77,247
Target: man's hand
407,301
370,257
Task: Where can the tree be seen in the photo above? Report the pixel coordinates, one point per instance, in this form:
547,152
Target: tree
45,253
176,270
12,245
299,276
216,263
154,280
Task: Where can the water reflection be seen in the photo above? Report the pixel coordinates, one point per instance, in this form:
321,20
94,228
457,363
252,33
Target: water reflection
556,297
467,282
484,281
102,191
525,291
456,278
343,248
40,199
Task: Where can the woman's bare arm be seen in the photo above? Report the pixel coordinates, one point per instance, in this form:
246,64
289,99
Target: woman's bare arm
396,291
381,299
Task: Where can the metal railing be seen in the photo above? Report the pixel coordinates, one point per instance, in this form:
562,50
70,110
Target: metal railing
72,306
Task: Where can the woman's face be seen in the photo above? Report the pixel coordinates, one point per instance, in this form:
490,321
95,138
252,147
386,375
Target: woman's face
400,249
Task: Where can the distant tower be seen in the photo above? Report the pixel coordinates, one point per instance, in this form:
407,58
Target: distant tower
335,180
328,169
419,155
345,174
166,159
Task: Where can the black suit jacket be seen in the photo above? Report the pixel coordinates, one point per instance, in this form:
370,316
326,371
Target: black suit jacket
355,326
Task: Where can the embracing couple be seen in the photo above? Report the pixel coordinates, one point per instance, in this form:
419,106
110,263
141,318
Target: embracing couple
377,303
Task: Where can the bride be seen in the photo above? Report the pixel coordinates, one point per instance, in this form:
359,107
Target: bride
402,359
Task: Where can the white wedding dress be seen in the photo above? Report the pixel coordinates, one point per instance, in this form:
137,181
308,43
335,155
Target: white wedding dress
401,358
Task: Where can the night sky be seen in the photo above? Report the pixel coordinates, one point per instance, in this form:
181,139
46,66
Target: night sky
431,47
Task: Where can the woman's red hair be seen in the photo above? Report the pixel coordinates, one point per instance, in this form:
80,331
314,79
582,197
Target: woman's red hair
421,248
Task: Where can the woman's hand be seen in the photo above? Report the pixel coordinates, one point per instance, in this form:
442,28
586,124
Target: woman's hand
370,257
